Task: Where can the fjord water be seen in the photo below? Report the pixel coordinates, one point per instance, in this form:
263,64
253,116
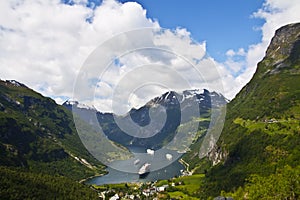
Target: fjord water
126,171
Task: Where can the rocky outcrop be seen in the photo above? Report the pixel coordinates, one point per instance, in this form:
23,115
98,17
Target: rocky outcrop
217,155
284,48
283,42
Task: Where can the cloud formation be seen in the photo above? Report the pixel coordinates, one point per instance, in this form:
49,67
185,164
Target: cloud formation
142,64
44,44
275,13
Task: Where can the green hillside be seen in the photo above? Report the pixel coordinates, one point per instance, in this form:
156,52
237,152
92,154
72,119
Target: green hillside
42,157
19,184
262,128
38,137
258,153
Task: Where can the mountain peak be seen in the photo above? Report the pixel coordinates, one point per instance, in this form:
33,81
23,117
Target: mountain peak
192,92
262,119
283,53
284,43
201,96
73,103
15,83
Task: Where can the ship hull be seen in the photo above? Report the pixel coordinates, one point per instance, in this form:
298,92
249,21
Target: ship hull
144,170
144,175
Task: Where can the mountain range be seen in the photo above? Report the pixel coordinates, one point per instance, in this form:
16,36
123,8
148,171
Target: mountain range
256,157
178,108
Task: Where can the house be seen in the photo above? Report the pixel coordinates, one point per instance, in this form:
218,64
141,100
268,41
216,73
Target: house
160,189
115,197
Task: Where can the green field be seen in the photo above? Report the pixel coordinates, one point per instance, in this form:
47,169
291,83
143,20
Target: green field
186,187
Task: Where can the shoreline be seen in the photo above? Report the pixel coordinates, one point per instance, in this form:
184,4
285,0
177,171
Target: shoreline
183,171
186,165
91,177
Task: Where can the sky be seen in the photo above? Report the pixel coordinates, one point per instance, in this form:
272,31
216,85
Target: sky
119,54
222,24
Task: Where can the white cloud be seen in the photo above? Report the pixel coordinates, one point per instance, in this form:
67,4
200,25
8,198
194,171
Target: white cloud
45,43
230,53
132,61
234,66
240,52
180,41
276,14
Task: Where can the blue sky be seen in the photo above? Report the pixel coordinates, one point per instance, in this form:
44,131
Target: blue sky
44,44
222,24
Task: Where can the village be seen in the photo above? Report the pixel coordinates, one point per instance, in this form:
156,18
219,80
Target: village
135,191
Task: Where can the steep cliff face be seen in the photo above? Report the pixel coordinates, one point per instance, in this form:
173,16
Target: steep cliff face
261,130
285,44
274,86
283,52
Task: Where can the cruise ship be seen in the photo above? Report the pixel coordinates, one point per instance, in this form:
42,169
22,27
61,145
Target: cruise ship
144,170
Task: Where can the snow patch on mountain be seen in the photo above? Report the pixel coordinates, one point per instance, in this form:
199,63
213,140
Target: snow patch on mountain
76,104
15,83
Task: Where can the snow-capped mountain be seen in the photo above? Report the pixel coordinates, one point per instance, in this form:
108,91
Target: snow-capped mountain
76,104
86,113
188,96
190,102
179,107
15,83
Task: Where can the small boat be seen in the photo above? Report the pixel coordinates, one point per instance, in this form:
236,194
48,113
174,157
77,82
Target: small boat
137,161
169,156
144,170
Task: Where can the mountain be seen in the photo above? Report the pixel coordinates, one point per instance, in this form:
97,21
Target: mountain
261,137
16,183
168,111
256,157
39,145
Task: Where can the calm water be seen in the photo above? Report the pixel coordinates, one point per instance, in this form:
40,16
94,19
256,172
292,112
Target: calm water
126,171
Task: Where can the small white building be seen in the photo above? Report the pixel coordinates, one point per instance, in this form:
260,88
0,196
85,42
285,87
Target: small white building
160,189
115,197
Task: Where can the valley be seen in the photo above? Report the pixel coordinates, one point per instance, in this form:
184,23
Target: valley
253,152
